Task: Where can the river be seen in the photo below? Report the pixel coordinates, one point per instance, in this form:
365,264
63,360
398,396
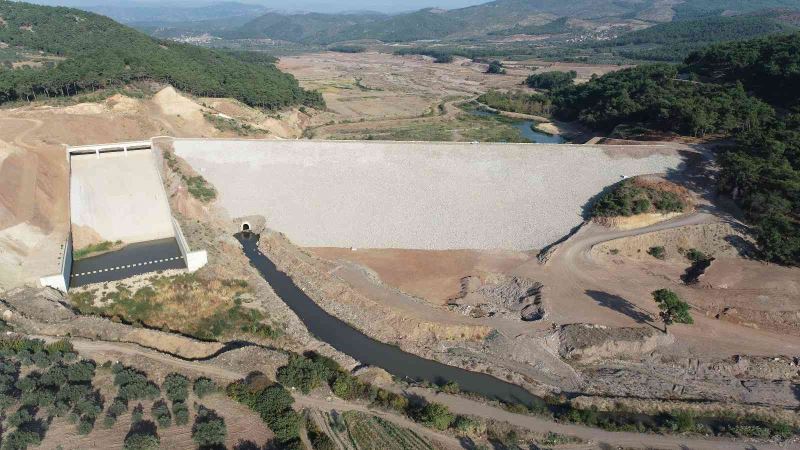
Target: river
366,350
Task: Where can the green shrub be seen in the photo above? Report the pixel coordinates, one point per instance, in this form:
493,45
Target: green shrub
347,48
133,384
496,67
85,425
673,308
274,405
695,255
92,249
118,407
142,441
657,252
204,386
435,415
109,420
138,413
681,421
751,431
517,101
21,440
209,429
81,372
451,387
19,417
469,426
90,405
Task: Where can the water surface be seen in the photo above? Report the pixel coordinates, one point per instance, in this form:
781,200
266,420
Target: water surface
526,129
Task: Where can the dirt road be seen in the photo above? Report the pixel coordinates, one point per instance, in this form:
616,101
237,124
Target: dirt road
572,272
592,435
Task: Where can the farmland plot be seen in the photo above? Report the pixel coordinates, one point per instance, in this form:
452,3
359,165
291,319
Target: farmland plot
373,433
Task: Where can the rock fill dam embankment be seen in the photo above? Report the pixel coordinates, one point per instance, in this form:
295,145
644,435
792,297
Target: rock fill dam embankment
415,194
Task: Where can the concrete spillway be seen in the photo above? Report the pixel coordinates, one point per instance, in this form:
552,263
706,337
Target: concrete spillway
117,196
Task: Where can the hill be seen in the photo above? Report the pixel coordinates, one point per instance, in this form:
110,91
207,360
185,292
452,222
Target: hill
557,26
98,52
506,17
419,25
434,23
132,13
675,40
301,28
769,67
694,9
745,90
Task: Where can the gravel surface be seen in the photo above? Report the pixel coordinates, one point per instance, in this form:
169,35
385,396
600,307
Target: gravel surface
416,194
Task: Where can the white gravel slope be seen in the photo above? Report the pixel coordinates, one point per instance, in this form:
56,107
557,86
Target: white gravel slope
416,194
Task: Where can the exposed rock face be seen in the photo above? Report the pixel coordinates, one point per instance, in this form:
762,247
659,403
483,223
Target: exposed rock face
587,343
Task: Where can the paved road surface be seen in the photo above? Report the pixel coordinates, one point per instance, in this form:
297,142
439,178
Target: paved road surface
133,259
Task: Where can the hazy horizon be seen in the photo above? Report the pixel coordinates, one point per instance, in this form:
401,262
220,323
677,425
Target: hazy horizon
323,6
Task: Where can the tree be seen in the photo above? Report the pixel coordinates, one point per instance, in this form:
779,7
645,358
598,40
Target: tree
176,386
160,412
209,429
496,67
204,386
551,80
142,441
181,413
673,309
436,415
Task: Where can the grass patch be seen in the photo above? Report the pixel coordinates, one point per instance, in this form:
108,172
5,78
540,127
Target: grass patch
205,309
198,186
93,249
229,124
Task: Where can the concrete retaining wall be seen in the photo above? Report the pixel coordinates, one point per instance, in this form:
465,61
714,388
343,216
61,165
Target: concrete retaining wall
194,260
60,280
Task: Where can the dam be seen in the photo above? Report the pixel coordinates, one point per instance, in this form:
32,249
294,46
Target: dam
417,195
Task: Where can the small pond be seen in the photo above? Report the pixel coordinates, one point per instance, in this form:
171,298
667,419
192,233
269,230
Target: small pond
526,129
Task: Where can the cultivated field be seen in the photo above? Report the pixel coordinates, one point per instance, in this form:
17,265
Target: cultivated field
408,97
416,195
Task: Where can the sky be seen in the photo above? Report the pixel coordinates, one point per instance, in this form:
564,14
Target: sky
388,6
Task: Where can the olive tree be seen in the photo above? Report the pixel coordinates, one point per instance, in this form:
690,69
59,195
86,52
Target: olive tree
673,308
